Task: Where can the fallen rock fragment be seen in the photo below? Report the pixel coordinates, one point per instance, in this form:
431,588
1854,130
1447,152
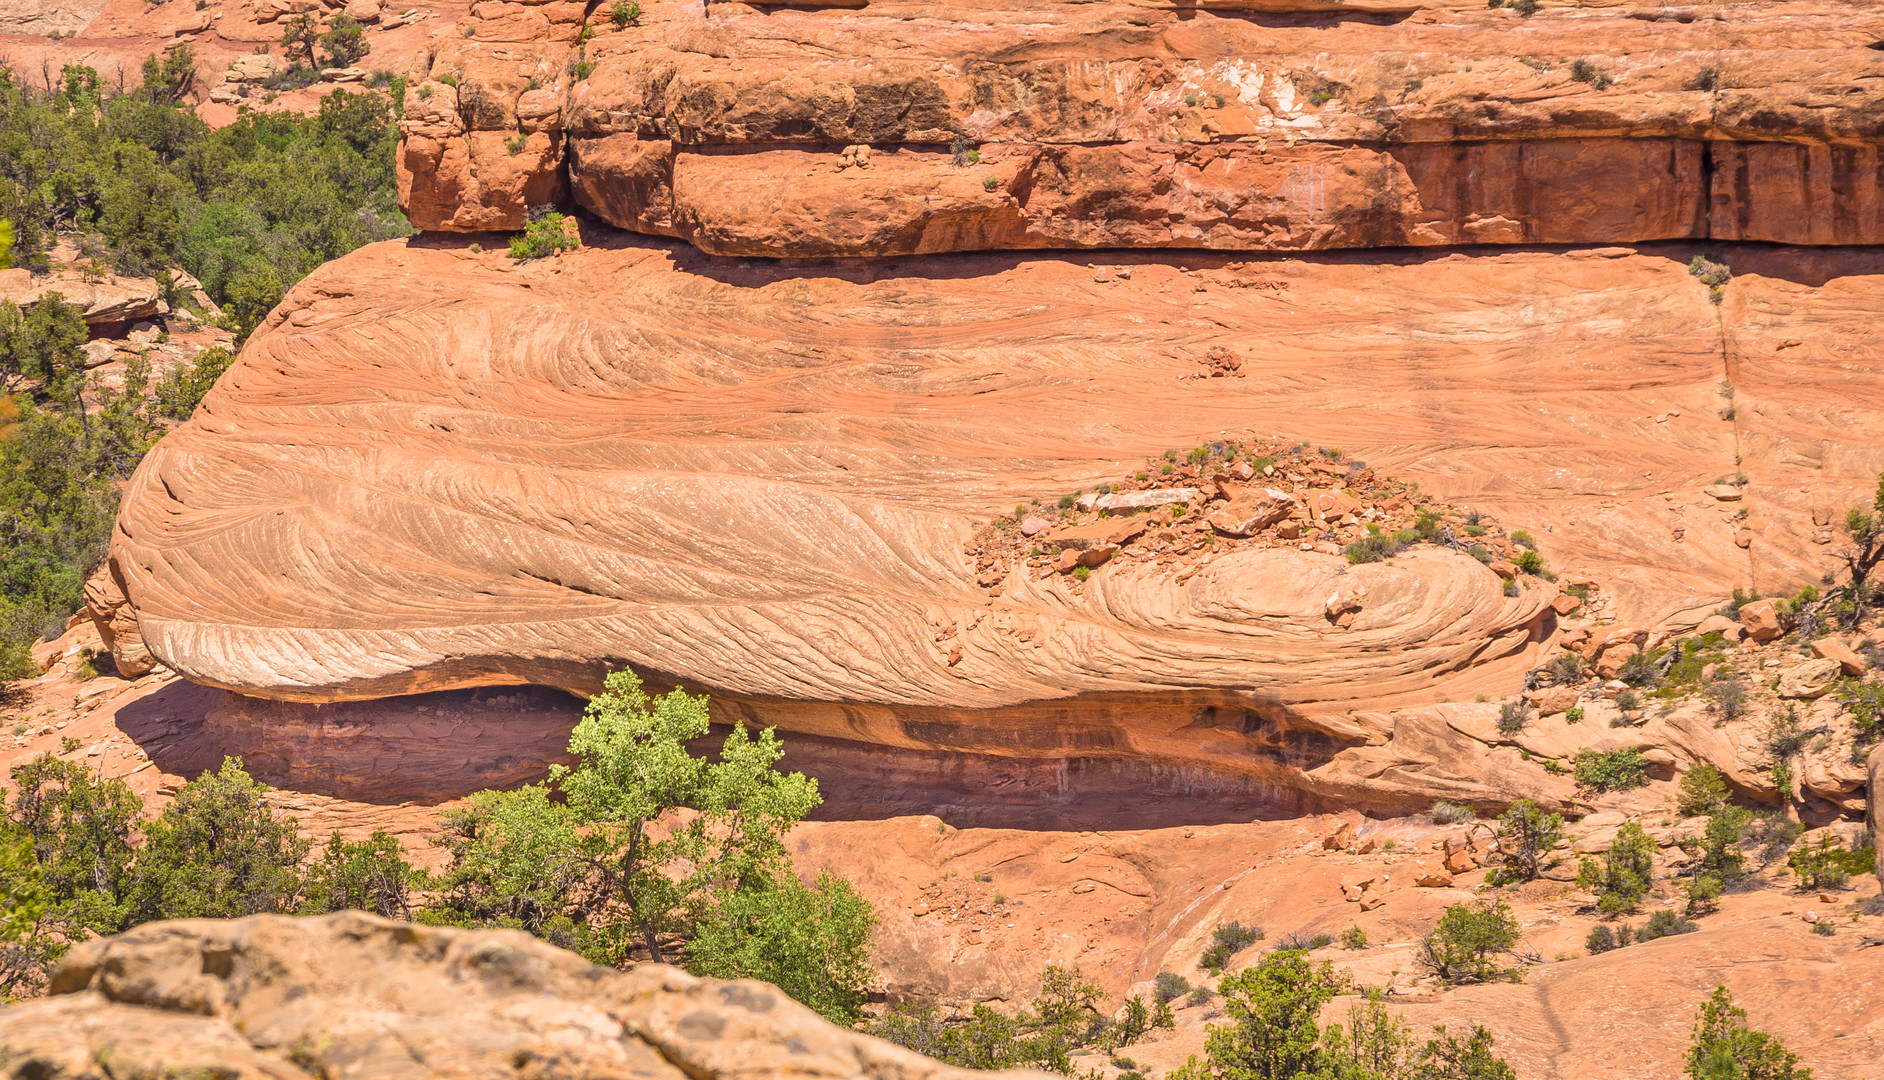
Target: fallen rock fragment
1808,680
1765,620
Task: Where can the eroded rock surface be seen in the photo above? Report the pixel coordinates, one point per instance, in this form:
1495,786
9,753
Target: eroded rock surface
352,995
439,469
1247,126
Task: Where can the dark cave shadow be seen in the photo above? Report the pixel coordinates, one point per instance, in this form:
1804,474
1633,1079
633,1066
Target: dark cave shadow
436,747
1810,266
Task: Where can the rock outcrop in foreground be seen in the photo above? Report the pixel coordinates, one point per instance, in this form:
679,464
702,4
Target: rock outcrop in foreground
902,126
355,997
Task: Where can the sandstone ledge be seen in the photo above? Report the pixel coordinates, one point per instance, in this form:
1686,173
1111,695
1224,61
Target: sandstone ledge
355,996
1126,125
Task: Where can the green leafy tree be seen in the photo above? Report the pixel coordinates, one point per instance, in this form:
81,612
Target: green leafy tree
1623,877
83,828
811,943
1468,939
346,45
1703,791
366,875
1725,1048
1272,1008
1610,770
251,296
1525,836
1445,1057
300,33
218,851
168,80
183,387
1717,861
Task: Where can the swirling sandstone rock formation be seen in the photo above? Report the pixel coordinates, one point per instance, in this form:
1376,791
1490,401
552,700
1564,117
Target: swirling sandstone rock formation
351,995
435,468
1247,125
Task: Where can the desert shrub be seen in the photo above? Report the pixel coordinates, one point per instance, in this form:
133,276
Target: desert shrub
182,389
1771,833
1524,540
1612,770
1063,1018
1726,699
1377,545
1664,923
543,237
367,875
625,12
1446,813
1639,670
1627,702
1512,716
1354,938
1603,938
1200,995
1169,986
1529,562
1711,271
1827,864
1525,835
1585,72
346,45
1622,878
1725,1047
811,942
218,852
1304,941
1703,790
1466,942
1865,701
1566,668
1717,861
1226,941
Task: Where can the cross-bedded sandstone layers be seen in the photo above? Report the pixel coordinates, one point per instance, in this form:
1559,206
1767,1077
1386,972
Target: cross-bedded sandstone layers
435,468
1241,126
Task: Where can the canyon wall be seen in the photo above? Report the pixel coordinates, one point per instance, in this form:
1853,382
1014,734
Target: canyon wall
1248,126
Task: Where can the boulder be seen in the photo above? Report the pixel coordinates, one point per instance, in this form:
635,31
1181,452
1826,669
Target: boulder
1371,900
1332,505
1503,569
1724,492
343,75
1553,699
1808,680
1765,620
1034,526
1144,500
1462,861
1728,629
1565,603
1338,837
1829,648
1252,512
114,300
351,994
1431,874
1613,657
251,68
365,11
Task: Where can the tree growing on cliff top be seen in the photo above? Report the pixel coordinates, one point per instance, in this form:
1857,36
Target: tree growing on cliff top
1725,1048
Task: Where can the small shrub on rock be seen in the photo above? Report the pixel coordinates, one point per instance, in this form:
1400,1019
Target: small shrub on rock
1169,986
1725,1047
1226,941
1665,923
1612,770
1703,791
1512,716
543,237
1603,938
625,12
1445,813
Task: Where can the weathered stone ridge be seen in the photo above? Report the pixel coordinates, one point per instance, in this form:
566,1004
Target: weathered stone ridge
352,995
1286,127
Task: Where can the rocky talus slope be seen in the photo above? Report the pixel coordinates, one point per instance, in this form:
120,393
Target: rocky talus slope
354,996
896,127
